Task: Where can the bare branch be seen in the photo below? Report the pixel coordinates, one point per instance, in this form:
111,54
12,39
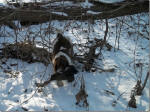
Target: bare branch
145,81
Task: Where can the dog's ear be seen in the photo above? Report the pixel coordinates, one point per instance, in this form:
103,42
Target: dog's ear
71,70
56,76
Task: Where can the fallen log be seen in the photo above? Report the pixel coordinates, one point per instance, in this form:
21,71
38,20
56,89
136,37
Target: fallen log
26,52
42,13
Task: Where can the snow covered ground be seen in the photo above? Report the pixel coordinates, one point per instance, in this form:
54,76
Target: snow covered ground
107,91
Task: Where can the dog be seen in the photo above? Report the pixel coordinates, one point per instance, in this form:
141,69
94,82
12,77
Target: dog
62,59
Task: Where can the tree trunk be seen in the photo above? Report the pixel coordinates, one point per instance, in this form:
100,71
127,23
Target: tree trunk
43,12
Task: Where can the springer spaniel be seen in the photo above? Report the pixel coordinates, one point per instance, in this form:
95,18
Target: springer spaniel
62,59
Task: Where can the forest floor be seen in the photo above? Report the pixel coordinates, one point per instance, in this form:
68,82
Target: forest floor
107,91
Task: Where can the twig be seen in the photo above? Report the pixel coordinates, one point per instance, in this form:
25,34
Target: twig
106,31
145,81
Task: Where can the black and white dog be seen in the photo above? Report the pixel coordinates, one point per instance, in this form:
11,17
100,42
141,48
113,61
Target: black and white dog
62,59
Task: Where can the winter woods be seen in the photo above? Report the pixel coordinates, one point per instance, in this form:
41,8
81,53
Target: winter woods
109,49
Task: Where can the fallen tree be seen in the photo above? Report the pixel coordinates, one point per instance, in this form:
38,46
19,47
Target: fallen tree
69,10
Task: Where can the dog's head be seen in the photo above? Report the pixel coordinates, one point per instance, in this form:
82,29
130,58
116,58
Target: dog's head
63,44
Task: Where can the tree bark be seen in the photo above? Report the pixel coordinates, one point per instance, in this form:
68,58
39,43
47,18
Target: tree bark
38,13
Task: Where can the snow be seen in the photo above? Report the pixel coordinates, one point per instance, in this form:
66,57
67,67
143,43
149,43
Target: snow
107,91
63,3
3,3
92,12
86,4
60,13
110,1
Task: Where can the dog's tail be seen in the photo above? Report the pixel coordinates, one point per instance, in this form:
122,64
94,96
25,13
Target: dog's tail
59,35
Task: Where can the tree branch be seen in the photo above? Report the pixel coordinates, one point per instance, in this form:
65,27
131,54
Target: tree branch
145,81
